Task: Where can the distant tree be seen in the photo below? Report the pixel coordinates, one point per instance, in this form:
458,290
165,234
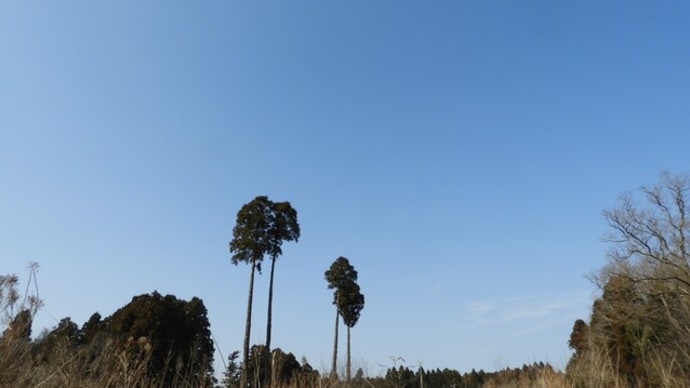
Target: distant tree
351,305
261,228
284,228
308,376
359,378
231,376
341,276
284,367
249,244
578,337
91,328
66,335
474,378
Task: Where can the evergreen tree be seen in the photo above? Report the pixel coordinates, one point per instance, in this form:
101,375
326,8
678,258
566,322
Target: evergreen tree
342,278
351,304
231,376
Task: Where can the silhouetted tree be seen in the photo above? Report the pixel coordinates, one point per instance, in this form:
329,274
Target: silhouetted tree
351,305
91,328
578,337
341,276
261,228
284,228
231,376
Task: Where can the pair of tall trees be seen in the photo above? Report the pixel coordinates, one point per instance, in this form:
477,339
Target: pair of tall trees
349,302
262,226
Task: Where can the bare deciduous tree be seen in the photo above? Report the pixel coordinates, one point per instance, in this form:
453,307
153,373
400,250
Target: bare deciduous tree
641,324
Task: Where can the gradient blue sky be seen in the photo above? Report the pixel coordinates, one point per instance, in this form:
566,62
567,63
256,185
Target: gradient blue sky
459,154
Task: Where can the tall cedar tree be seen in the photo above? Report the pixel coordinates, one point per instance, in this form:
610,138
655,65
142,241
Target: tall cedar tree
341,276
261,228
351,305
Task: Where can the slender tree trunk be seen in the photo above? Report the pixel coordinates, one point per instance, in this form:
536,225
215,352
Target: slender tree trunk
334,371
267,349
347,378
247,329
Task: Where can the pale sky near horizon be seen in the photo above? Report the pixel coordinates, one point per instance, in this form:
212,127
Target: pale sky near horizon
459,153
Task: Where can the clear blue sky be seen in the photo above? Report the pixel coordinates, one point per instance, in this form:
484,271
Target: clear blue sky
459,154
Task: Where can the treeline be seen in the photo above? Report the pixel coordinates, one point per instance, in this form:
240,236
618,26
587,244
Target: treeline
534,375
288,372
296,375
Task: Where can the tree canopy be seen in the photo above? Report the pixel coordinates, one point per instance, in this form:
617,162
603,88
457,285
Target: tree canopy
261,228
341,274
351,304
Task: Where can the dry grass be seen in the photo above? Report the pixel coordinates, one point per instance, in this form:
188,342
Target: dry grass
109,366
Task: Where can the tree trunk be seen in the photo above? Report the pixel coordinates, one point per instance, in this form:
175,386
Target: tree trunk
347,378
267,349
247,329
334,372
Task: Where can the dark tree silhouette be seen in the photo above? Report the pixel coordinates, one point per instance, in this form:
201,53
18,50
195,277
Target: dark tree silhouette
231,376
284,228
261,228
578,337
178,331
341,276
352,303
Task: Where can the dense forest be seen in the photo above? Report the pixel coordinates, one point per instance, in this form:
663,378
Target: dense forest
638,334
